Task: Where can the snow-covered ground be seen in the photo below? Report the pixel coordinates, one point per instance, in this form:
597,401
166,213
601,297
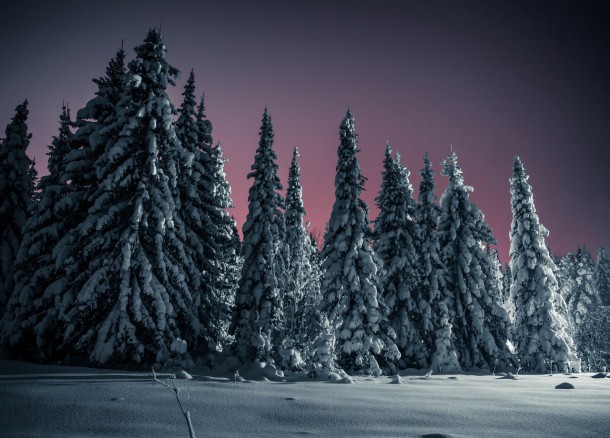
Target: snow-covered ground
56,401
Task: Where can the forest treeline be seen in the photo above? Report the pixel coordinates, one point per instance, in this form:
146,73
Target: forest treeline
125,254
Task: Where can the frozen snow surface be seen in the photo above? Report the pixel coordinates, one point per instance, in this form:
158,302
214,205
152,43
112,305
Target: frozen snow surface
58,401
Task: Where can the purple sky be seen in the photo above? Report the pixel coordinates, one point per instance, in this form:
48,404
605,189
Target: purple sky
493,79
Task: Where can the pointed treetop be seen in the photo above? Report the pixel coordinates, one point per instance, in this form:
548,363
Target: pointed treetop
191,79
152,51
452,169
114,70
59,146
347,125
294,203
16,131
187,108
201,108
519,169
266,119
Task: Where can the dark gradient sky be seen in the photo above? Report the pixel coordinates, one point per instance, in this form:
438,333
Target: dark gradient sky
493,79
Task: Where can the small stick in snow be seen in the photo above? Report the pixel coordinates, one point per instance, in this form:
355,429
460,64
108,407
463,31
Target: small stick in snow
176,391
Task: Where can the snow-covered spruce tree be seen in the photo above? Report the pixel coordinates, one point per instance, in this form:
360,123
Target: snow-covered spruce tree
583,298
22,330
309,318
494,275
435,321
435,304
480,325
602,276
196,192
134,304
593,339
350,298
565,274
540,333
97,130
296,237
396,242
257,316
227,261
223,236
16,196
302,291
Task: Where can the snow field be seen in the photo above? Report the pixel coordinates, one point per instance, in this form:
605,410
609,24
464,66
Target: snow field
53,401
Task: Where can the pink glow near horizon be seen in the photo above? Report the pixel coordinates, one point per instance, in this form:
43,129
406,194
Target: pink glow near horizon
493,81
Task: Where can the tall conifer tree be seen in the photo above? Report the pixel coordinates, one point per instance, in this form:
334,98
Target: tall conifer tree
97,130
296,241
196,193
350,297
133,301
480,325
540,333
584,297
16,196
436,325
396,243
258,315
27,318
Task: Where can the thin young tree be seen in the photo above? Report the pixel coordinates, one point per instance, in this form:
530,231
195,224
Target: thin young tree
298,246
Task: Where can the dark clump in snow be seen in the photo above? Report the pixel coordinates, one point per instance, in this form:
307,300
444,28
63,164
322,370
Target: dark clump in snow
599,376
436,435
565,385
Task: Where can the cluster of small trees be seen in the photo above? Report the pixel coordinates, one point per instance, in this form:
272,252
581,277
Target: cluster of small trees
124,254
584,287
